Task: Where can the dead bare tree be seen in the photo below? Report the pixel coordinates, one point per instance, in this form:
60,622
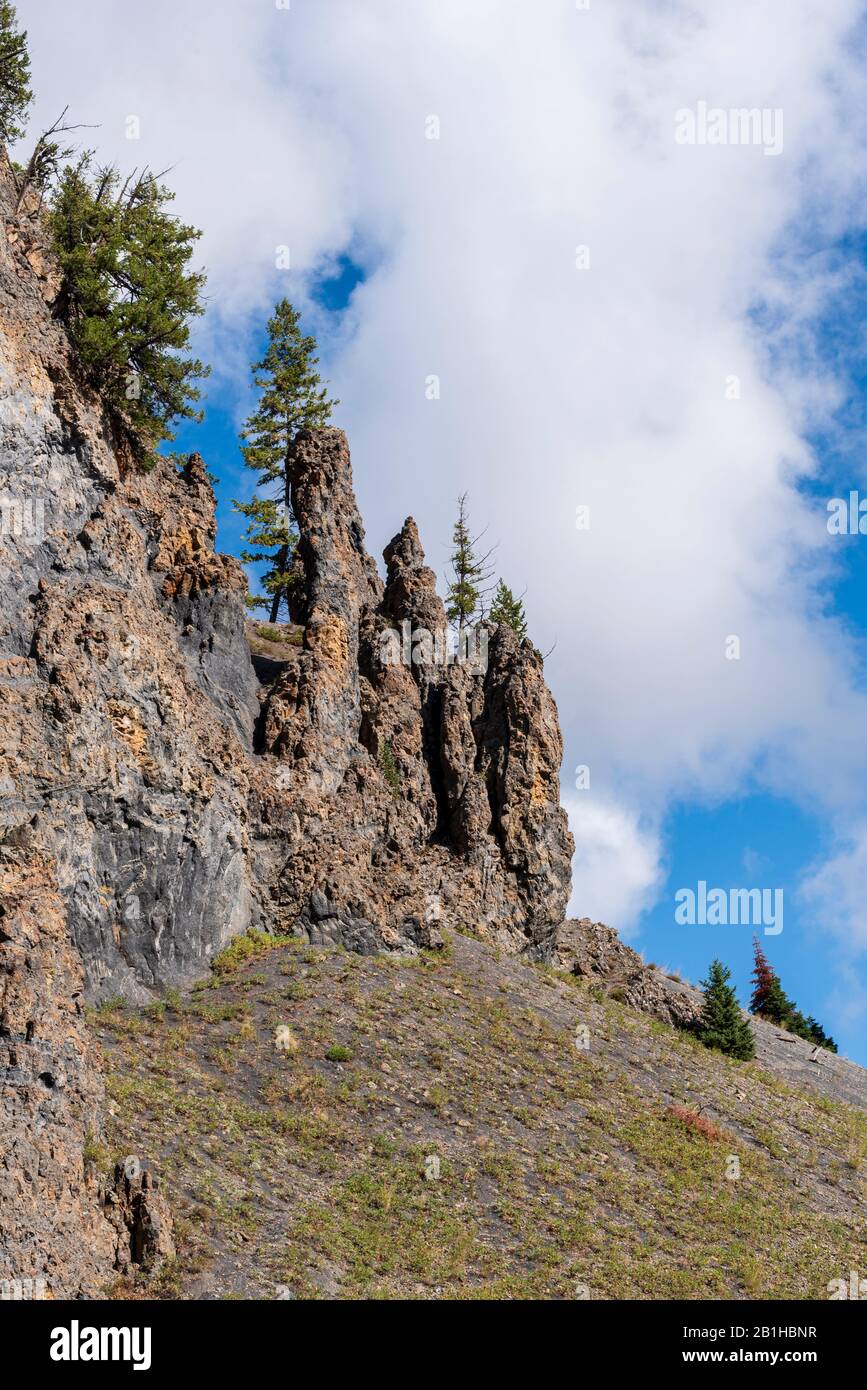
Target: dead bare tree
46,159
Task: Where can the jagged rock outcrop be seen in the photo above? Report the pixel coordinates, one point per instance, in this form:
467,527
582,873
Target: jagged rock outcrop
161,801
424,787
137,1209
594,951
126,691
52,1225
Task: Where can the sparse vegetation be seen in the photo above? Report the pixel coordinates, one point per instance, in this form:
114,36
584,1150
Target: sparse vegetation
293,636
96,1153
694,1120
556,1166
388,766
243,949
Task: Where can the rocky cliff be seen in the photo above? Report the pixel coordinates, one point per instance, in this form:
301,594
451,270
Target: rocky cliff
159,794
402,791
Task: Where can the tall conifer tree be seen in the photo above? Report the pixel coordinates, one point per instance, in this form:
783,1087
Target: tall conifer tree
15,92
471,573
292,399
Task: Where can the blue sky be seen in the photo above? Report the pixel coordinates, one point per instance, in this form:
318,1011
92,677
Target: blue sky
461,155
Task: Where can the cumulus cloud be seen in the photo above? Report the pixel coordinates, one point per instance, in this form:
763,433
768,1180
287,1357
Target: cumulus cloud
617,862
834,890
584,289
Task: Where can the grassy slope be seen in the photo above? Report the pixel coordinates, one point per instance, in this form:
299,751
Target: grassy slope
559,1166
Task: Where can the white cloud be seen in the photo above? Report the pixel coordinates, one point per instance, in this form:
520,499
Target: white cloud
755,863
560,386
836,891
617,871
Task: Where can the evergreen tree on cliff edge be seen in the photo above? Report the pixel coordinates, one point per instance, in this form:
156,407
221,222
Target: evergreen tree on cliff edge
468,586
15,92
509,610
293,399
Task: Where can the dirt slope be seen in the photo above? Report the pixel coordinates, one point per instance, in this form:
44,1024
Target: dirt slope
299,1169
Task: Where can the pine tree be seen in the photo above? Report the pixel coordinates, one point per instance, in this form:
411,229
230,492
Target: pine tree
15,92
722,1026
466,591
509,610
770,1001
273,542
817,1034
127,295
763,980
293,399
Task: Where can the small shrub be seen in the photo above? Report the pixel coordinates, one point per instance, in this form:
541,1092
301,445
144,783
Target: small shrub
95,1152
337,1053
436,1097
247,1030
388,766
695,1121
113,1004
243,949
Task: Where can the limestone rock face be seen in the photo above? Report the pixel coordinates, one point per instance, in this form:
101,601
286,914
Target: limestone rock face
126,688
127,708
156,799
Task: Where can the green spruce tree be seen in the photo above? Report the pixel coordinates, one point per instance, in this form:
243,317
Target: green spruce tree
128,295
509,610
15,92
722,1026
292,399
470,573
